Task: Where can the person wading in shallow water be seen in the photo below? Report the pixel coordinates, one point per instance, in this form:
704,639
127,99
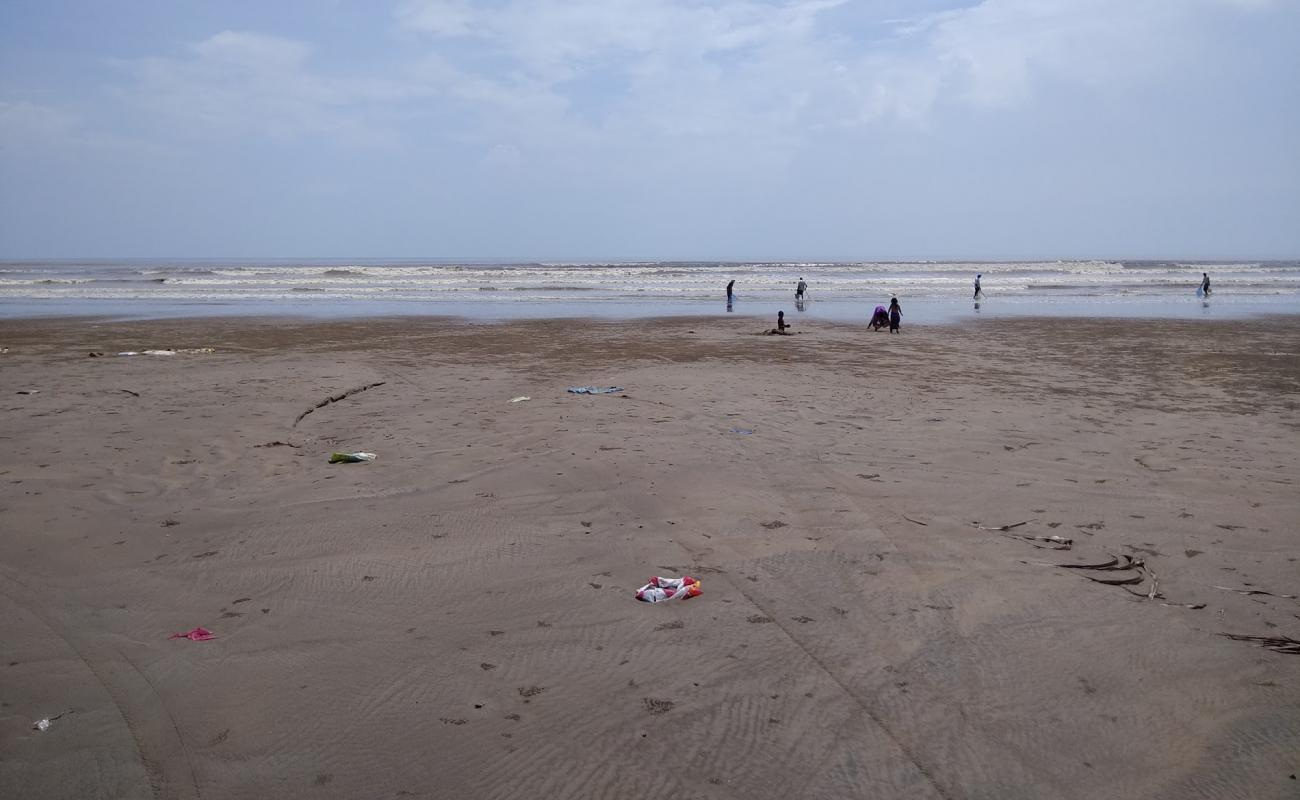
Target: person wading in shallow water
1205,284
799,289
729,287
895,315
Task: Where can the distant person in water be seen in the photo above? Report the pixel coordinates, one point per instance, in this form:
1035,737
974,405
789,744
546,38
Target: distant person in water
879,318
1205,284
729,287
895,315
799,289
977,287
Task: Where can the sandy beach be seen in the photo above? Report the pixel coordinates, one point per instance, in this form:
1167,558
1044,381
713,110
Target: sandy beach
457,619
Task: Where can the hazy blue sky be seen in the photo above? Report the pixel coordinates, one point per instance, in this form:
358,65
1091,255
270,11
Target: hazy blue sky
743,129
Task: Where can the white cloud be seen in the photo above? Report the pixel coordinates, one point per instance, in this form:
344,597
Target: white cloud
254,82
735,81
741,63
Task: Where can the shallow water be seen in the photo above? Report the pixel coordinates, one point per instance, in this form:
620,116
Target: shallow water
930,291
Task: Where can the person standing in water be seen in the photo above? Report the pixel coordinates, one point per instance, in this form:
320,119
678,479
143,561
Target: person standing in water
895,315
799,289
1205,284
977,287
729,286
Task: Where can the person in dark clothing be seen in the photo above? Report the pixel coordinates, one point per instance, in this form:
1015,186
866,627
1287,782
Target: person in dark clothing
1205,284
977,287
895,315
780,329
729,285
879,318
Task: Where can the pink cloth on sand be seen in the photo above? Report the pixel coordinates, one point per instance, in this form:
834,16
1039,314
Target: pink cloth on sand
196,635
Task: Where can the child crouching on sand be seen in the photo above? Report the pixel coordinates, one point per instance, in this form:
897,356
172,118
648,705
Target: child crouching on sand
780,329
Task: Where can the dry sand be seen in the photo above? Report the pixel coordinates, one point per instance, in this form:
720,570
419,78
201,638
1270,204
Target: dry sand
456,619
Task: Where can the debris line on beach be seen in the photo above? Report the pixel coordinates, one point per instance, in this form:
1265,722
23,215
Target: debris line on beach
1278,644
334,398
1052,542
1256,591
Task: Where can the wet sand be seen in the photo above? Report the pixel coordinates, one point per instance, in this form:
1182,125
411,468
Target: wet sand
457,618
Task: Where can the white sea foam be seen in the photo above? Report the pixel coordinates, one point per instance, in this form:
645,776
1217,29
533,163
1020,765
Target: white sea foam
568,282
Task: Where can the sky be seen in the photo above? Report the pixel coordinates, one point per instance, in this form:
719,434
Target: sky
650,129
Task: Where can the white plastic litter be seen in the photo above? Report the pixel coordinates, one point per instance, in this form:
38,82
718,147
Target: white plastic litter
521,398
660,589
41,725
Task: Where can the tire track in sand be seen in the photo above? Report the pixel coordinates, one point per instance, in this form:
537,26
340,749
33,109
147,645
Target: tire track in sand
162,751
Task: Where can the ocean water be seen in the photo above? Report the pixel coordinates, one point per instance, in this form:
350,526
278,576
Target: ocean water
929,291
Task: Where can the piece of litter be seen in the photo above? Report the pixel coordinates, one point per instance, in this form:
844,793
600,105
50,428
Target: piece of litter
128,353
199,634
44,724
660,589
917,521
28,391
743,431
351,458
1005,527
595,389
521,398
160,352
